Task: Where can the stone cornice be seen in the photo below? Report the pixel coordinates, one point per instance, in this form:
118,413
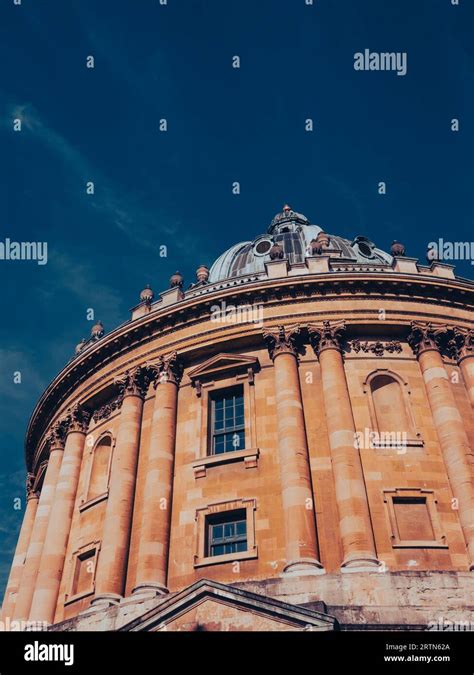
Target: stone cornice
192,311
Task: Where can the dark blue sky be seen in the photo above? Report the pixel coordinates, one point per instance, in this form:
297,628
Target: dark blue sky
224,125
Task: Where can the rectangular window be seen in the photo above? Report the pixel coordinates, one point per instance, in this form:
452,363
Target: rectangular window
413,519
226,533
227,421
84,573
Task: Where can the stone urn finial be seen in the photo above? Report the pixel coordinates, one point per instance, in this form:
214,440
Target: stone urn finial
80,346
97,330
202,274
276,252
397,249
147,295
176,280
317,246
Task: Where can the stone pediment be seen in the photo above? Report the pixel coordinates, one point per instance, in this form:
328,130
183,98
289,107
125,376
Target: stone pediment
223,364
211,606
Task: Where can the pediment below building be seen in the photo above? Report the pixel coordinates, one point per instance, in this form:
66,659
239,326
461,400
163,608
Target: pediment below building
223,364
212,606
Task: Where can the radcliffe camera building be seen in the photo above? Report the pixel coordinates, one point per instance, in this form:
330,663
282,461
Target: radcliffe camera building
284,444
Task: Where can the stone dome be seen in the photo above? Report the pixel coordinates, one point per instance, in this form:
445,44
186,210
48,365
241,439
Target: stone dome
294,232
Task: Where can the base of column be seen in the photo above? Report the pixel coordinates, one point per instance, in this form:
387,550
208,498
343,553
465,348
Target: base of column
149,590
105,600
303,566
361,563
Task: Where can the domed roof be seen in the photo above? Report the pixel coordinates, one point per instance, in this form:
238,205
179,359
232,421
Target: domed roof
294,233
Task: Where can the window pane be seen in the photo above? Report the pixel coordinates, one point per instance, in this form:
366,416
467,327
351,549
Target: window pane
216,532
219,444
228,535
241,527
239,421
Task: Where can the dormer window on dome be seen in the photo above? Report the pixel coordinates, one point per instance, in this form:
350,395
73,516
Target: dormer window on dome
364,246
262,246
290,236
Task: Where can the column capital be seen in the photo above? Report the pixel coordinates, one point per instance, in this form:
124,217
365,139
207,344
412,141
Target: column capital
134,382
326,335
461,343
77,419
427,337
31,493
283,340
167,368
57,435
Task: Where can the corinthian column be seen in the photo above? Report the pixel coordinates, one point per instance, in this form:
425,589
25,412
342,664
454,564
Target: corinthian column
35,547
113,555
158,478
425,340
302,555
351,496
51,566
462,344
16,572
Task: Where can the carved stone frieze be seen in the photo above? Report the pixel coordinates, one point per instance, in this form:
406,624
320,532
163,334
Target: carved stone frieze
378,347
105,411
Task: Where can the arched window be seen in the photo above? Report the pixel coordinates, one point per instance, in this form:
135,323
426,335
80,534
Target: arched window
99,475
389,404
390,411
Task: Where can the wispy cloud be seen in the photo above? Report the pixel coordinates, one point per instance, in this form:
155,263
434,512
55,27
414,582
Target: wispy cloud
147,227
